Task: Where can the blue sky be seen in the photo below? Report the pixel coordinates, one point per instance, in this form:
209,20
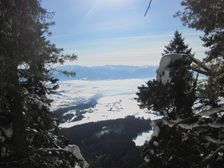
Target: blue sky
104,32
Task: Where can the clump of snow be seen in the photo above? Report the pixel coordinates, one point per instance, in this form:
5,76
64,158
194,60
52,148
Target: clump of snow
142,138
77,166
156,129
211,111
146,159
164,70
7,131
74,149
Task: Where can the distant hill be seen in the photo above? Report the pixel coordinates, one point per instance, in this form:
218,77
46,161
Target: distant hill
106,72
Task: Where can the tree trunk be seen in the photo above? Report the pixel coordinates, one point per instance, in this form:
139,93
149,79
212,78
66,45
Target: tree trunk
16,101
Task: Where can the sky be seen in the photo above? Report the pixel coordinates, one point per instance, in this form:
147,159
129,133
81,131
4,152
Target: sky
115,32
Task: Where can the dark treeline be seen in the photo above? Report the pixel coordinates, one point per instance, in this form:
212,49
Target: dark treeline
109,144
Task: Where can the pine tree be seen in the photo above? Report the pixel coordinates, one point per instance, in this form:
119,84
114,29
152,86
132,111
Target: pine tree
209,20
207,16
28,130
195,141
177,45
174,99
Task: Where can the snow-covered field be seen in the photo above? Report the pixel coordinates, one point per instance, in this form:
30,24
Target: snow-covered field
115,99
74,92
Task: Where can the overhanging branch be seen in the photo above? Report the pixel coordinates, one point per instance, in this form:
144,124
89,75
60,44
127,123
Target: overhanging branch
200,67
199,70
150,2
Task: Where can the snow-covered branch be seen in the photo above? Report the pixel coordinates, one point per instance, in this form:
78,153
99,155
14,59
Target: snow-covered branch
72,149
199,70
214,140
201,67
42,133
211,111
156,129
212,155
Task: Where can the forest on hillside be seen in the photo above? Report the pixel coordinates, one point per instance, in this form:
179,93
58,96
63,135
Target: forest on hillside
109,143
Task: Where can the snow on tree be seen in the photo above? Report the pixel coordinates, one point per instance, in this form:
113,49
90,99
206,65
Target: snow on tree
172,94
28,130
165,69
192,140
207,16
195,140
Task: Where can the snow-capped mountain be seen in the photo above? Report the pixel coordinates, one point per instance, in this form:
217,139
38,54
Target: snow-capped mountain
106,72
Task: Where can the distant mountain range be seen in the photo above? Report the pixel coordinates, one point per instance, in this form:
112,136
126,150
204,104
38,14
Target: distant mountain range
106,72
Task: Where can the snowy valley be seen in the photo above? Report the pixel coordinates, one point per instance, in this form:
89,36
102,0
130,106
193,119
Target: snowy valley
109,109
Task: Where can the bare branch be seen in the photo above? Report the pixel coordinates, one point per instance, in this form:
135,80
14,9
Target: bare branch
199,70
148,7
200,64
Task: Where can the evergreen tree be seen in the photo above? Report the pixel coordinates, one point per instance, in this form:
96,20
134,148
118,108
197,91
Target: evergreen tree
207,16
174,99
177,45
195,141
27,127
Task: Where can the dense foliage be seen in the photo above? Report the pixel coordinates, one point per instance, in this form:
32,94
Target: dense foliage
27,127
177,45
207,16
175,98
194,140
